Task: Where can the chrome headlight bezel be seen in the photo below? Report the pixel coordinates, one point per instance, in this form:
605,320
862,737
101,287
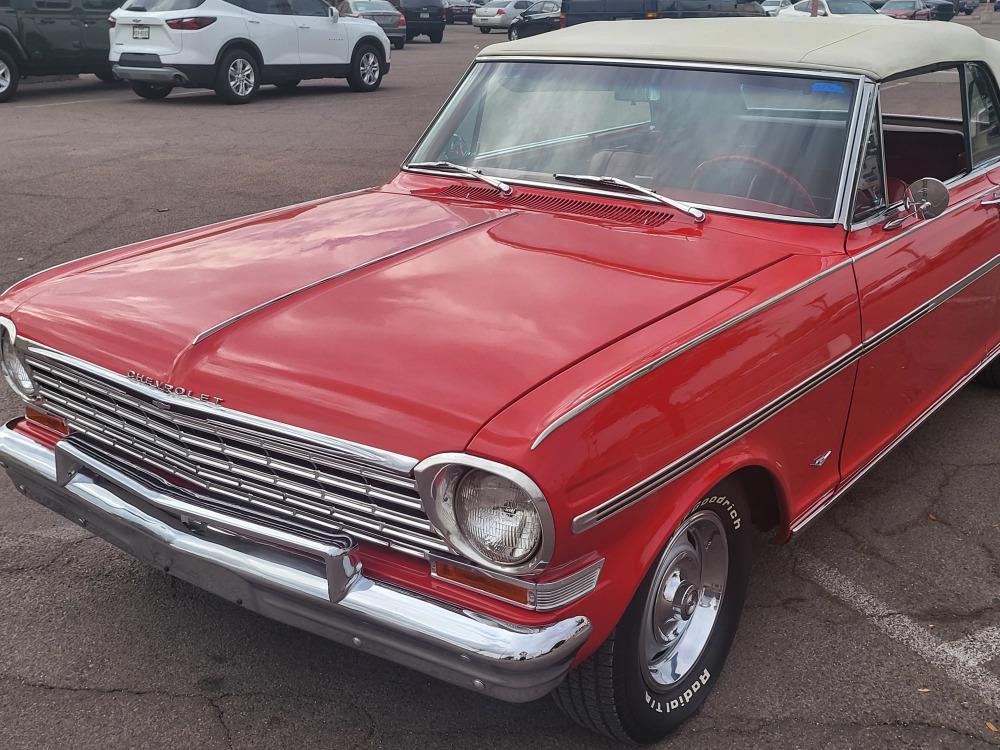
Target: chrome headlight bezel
438,478
8,343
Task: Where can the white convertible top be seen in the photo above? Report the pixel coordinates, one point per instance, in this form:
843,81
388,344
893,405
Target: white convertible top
873,46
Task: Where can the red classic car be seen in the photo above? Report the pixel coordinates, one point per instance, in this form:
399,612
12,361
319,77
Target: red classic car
642,290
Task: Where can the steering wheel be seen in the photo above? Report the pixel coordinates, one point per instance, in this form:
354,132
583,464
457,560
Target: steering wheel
777,175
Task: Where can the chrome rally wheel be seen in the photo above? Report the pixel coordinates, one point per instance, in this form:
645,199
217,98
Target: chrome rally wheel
685,599
666,653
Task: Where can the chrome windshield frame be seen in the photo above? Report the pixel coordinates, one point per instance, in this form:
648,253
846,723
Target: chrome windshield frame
863,90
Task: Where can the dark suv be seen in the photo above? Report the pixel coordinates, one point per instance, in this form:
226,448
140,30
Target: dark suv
422,17
49,37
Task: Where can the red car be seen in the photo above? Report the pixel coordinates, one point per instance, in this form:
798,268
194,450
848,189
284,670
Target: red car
911,10
512,418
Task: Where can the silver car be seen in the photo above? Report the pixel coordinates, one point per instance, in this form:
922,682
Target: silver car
497,14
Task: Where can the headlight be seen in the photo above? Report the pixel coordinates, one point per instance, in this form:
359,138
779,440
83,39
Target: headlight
490,513
497,517
16,372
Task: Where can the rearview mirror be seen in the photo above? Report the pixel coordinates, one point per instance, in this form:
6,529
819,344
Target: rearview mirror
927,198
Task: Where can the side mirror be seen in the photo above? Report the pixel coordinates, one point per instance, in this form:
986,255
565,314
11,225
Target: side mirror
334,14
926,198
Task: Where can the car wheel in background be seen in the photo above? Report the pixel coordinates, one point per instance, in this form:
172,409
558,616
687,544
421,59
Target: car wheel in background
484,29
287,85
151,90
436,36
106,76
366,69
398,43
10,76
512,33
238,77
666,654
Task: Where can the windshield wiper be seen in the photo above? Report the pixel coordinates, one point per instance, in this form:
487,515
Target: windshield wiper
613,182
500,185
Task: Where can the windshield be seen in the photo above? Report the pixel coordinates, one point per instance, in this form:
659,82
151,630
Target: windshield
748,141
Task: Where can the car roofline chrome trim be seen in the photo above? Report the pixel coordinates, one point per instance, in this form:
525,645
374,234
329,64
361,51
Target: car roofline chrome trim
682,349
655,481
830,498
374,457
269,212
344,272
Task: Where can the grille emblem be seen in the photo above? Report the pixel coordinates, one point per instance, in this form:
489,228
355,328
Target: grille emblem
174,390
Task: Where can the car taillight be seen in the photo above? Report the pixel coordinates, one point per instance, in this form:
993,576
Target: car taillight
402,20
191,24
562,20
111,21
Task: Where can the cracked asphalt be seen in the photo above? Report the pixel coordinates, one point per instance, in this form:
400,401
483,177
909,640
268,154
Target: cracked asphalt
879,628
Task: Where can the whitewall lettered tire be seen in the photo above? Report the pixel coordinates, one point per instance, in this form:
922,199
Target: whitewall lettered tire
666,654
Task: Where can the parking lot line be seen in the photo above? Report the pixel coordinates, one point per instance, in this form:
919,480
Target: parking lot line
978,648
63,104
960,666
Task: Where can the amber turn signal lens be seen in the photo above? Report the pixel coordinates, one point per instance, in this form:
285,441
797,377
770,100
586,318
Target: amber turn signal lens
49,422
484,582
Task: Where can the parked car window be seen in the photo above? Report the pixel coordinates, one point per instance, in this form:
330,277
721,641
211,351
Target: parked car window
535,8
101,4
155,6
271,7
364,6
52,4
687,133
849,7
923,127
984,123
497,4
310,8
522,4
870,197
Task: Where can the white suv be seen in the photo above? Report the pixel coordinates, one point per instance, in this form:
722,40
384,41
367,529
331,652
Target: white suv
233,46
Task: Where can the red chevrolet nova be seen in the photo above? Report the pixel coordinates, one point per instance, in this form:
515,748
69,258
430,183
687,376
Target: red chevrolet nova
642,290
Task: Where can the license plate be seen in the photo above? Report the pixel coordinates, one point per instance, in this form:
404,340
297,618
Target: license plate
140,32
425,15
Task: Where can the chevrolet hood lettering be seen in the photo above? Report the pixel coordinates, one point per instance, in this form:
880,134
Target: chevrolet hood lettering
174,390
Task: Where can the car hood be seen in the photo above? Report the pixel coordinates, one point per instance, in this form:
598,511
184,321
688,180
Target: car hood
388,319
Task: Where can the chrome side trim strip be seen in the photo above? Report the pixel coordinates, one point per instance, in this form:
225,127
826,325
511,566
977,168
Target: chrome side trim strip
672,471
215,413
836,494
674,353
681,466
311,285
183,231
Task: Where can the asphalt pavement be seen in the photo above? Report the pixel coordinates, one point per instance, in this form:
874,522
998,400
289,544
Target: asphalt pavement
880,627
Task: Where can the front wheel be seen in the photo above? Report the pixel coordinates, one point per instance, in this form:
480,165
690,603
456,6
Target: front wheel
665,655
151,90
484,29
512,34
366,69
238,78
106,76
10,77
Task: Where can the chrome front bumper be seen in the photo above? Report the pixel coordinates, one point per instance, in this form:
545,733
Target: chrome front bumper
167,76
315,586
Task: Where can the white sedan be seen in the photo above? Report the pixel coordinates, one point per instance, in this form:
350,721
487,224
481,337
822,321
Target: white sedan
830,8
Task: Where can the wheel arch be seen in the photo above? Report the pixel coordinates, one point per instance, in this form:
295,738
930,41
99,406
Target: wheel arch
9,43
240,43
373,41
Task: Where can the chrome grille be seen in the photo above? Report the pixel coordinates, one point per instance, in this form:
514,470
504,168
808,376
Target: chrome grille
273,478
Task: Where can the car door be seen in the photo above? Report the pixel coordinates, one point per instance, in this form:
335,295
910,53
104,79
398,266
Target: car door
322,40
52,31
928,286
96,31
273,29
529,24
